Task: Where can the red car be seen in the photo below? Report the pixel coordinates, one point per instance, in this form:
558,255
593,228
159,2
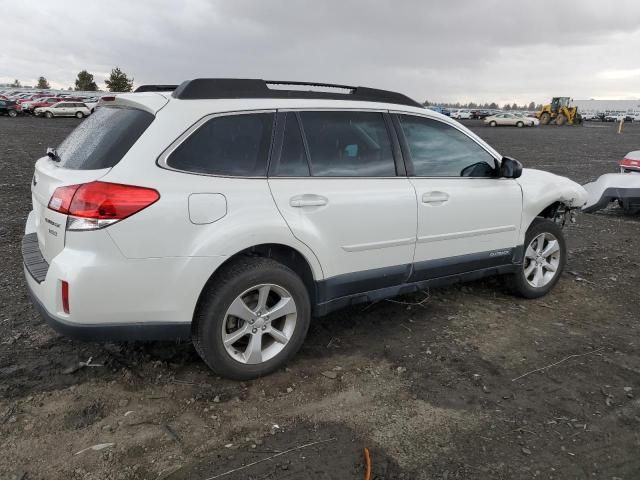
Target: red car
28,106
630,162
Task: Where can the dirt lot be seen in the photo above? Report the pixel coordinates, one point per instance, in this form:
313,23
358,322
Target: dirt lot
426,382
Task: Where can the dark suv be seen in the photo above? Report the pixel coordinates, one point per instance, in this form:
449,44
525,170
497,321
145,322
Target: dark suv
8,107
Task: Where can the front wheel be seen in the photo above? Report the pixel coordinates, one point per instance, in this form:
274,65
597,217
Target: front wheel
493,124
544,259
48,114
79,115
13,113
519,124
253,317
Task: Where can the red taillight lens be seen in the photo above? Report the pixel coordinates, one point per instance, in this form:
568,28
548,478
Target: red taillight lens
61,199
65,296
102,200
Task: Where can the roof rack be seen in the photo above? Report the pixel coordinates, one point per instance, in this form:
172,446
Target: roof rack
212,88
155,88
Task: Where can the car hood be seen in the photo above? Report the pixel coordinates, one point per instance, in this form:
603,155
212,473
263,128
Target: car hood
540,186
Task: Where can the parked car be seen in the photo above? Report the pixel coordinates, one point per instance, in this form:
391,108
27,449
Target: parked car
481,114
508,119
461,114
442,110
230,220
64,109
535,121
8,107
29,107
91,103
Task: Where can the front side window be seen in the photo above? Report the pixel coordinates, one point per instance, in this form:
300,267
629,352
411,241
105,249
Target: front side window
348,144
439,150
231,145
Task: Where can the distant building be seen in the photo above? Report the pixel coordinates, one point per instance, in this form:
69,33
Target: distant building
607,106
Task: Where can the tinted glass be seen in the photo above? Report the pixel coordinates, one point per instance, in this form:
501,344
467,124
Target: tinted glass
103,138
439,150
293,159
235,145
348,144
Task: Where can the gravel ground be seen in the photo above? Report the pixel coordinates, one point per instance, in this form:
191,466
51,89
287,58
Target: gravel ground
425,381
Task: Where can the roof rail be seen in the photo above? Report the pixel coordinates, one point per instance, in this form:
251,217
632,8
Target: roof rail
155,88
212,88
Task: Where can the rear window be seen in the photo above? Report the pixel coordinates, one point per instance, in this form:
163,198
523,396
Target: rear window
233,145
103,139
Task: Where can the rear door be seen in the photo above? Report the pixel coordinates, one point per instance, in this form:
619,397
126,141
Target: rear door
335,180
468,218
87,154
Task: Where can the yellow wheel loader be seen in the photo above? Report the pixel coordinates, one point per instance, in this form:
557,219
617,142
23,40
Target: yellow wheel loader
560,111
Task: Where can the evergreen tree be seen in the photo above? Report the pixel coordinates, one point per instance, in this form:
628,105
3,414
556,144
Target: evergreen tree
43,84
85,82
118,81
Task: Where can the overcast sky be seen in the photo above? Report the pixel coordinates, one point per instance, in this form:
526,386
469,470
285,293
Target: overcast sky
463,50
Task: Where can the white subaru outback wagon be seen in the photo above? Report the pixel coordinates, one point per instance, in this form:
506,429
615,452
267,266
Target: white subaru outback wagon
231,211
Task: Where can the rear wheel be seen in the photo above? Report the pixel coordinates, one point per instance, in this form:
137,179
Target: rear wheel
545,118
492,123
561,119
519,124
544,259
13,113
253,317
79,115
48,114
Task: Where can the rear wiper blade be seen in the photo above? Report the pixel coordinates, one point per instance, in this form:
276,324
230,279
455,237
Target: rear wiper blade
52,154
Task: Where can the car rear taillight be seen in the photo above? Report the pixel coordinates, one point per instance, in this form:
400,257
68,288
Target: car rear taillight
98,204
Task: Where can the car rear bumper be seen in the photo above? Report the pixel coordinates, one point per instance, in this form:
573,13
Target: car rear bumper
112,297
125,332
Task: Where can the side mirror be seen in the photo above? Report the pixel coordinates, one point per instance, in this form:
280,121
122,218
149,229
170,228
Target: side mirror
510,168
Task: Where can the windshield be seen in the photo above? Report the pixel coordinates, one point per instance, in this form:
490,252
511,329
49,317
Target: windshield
103,138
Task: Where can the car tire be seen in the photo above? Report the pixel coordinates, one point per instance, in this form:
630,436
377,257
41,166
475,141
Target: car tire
561,119
79,115
239,285
545,118
48,114
12,113
493,124
532,278
519,124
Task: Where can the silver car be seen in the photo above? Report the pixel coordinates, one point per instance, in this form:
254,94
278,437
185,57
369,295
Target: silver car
508,119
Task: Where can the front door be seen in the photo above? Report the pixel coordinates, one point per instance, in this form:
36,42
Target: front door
334,180
468,218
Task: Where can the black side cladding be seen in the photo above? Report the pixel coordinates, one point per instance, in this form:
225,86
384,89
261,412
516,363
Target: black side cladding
214,88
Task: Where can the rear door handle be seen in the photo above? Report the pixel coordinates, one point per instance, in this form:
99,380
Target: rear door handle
435,198
308,200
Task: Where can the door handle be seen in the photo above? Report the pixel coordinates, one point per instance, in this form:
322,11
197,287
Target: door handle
308,200
435,198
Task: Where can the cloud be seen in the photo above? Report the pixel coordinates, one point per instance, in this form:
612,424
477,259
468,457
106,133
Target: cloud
463,50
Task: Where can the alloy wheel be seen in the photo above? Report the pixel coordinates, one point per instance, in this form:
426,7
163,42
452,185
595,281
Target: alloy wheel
259,324
541,260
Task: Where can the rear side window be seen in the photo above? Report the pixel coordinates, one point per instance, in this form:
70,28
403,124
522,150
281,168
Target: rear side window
232,145
348,144
103,139
439,150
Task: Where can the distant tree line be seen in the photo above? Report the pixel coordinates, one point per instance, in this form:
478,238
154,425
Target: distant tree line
485,106
118,81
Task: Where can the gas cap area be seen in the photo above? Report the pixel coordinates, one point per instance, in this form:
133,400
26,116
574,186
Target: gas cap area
206,208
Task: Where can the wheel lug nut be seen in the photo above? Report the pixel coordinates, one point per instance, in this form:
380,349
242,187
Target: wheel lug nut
255,330
252,321
264,327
